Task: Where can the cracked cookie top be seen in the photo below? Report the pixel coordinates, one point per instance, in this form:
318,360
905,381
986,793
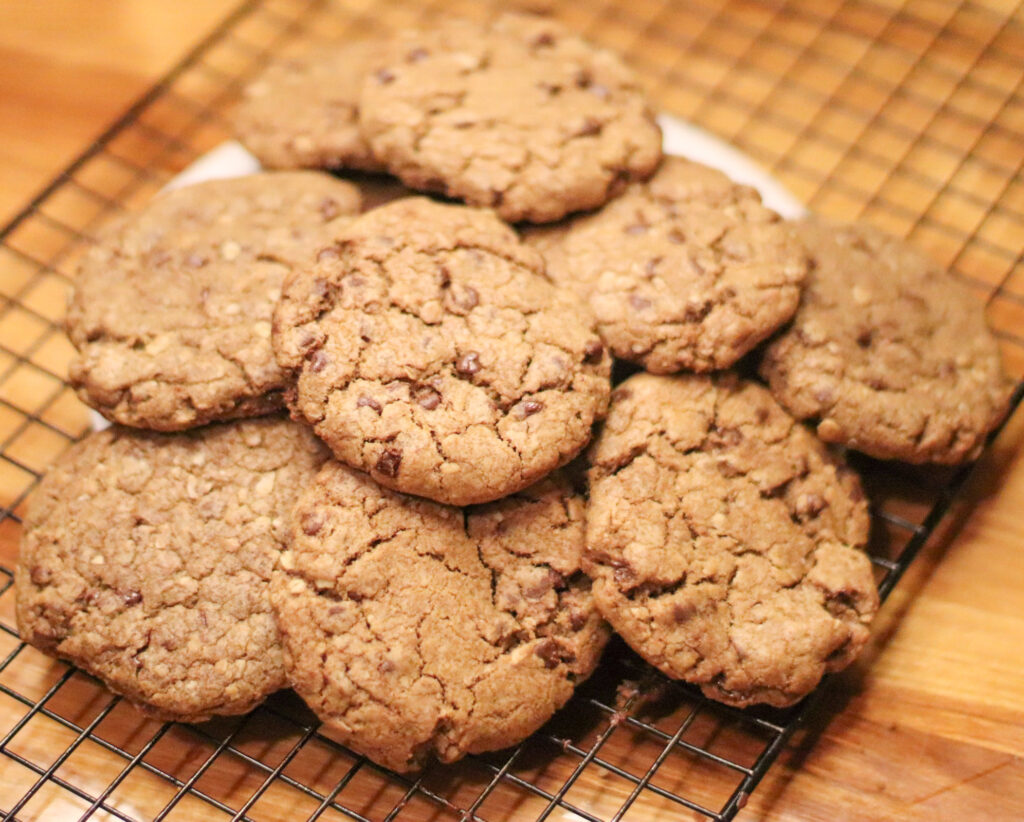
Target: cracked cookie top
724,541
146,560
303,111
521,115
432,352
172,306
888,353
687,271
415,629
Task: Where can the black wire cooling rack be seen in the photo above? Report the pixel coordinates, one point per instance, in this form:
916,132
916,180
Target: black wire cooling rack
907,114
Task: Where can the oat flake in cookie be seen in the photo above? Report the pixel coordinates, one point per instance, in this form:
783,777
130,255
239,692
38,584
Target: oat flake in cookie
521,115
302,112
432,352
146,560
414,629
687,271
888,353
724,542
172,307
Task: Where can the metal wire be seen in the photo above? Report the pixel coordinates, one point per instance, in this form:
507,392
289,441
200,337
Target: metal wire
775,80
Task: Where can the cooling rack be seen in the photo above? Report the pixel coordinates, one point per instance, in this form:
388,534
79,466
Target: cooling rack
907,114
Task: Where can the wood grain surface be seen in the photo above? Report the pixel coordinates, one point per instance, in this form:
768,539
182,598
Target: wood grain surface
929,724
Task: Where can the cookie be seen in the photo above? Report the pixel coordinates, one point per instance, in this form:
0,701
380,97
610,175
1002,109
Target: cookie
172,307
431,351
724,541
414,629
888,354
302,112
520,115
146,561
687,271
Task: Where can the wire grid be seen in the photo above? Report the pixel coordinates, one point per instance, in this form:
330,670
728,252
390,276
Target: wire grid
907,113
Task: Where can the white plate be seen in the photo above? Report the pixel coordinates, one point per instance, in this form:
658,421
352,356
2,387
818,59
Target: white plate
231,159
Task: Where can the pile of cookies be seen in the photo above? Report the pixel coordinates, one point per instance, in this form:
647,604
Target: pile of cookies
428,551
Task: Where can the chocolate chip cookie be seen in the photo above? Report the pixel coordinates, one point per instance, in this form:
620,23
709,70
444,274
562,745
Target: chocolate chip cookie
687,271
302,112
146,560
172,307
888,354
724,541
431,351
414,629
520,115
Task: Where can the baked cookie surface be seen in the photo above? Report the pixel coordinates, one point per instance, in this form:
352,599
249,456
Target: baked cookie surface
686,271
888,353
724,542
432,352
172,307
146,560
415,629
302,112
521,115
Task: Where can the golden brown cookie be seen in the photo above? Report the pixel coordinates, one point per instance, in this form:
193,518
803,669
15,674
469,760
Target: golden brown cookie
887,353
302,111
724,541
413,629
431,351
520,115
686,271
172,307
146,559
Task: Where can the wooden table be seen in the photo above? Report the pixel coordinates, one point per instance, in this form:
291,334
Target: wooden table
930,723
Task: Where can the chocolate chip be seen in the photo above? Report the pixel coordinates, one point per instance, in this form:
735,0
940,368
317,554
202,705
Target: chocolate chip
468,298
527,408
368,402
762,414
681,612
636,228
577,619
593,352
584,78
445,276
590,127
545,38
548,650
329,208
623,574
416,55
355,596
468,364
330,253
810,505
877,383
697,311
427,397
621,394
132,598
312,522
652,266
638,302
39,575
727,469
864,338
386,666
384,76
318,362
824,395
389,462
676,236
195,260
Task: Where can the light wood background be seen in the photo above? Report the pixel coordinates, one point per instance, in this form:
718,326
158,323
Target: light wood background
929,725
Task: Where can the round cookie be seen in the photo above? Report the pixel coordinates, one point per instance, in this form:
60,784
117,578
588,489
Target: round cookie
302,112
172,307
521,115
146,561
431,351
724,541
887,353
414,629
685,271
